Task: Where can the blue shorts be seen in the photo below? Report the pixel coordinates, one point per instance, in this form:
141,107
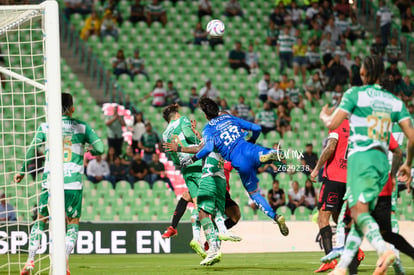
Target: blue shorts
245,158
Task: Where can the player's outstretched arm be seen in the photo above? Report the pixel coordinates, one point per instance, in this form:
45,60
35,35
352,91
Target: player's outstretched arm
254,128
404,172
175,147
326,154
95,141
332,119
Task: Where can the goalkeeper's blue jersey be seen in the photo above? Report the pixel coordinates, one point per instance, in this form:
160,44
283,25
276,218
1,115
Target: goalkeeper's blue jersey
224,133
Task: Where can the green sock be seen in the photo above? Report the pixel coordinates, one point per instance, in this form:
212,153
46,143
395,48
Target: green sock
210,233
72,231
35,237
394,224
371,231
351,247
195,225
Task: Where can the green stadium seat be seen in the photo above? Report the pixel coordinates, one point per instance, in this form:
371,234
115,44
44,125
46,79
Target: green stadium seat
302,213
285,211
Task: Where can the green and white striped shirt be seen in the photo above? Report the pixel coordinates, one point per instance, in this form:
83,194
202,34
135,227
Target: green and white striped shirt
76,134
213,165
286,43
372,111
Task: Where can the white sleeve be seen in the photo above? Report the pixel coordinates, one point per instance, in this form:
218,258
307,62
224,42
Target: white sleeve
333,135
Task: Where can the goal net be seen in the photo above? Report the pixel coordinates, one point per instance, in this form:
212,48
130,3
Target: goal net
30,95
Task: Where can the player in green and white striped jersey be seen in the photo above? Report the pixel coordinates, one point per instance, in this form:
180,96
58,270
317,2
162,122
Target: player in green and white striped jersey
371,110
76,134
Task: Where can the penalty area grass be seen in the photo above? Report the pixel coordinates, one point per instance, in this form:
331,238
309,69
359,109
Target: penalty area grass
293,263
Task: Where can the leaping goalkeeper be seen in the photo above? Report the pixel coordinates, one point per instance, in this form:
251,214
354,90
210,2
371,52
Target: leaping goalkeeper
76,134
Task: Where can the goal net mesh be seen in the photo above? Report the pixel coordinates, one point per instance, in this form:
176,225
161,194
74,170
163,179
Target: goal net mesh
22,110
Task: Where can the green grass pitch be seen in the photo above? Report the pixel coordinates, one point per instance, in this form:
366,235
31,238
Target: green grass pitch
295,263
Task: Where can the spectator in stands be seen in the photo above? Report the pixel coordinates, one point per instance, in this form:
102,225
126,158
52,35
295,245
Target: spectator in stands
138,129
337,94
109,25
284,82
394,72
311,13
343,25
299,58
264,86
283,120
157,172
356,30
309,159
342,7
333,29
272,34
355,71
393,50
98,170
233,8
314,88
310,194
275,96
313,58
407,89
118,171
224,106
295,14
384,21
277,17
173,97
243,110
120,64
237,58
7,211
155,12
112,6
276,196
137,12
209,91
128,156
35,166
149,142
87,157
327,48
341,51
204,8
325,11
336,72
137,65
114,125
378,48
407,21
111,156
193,103
292,30
77,6
285,49
252,60
214,41
200,35
294,96
348,62
158,94
92,26
266,118
296,197
315,34
137,170
403,5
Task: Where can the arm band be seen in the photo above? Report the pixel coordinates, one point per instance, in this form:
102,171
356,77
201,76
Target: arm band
178,148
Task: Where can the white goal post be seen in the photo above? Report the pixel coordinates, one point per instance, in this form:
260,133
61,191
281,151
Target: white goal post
20,84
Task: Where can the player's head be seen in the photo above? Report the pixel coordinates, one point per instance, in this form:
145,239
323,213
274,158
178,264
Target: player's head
372,69
209,107
170,112
67,104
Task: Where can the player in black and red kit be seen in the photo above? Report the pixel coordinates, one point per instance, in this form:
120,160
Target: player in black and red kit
232,209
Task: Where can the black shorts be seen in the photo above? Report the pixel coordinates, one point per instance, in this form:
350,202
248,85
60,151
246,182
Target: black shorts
331,195
229,201
382,213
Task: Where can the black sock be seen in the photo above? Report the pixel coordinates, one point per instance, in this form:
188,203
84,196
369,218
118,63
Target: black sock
326,234
353,266
229,223
400,243
179,212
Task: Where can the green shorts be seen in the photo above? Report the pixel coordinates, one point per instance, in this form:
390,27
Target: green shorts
73,203
367,175
212,194
192,176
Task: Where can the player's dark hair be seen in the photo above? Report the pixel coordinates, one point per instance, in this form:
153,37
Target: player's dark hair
67,102
209,107
170,111
374,68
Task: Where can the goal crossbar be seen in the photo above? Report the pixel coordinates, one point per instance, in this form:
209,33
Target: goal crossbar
22,78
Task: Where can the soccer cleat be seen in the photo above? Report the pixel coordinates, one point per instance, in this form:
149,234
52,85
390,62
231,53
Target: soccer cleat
334,254
67,268
360,256
280,220
398,268
384,262
170,232
338,271
326,266
28,268
271,156
212,258
229,236
197,248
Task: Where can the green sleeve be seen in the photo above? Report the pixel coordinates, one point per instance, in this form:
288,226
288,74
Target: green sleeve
349,101
37,141
190,137
93,139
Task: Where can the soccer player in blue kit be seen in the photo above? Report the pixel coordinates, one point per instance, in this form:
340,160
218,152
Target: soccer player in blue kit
224,134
